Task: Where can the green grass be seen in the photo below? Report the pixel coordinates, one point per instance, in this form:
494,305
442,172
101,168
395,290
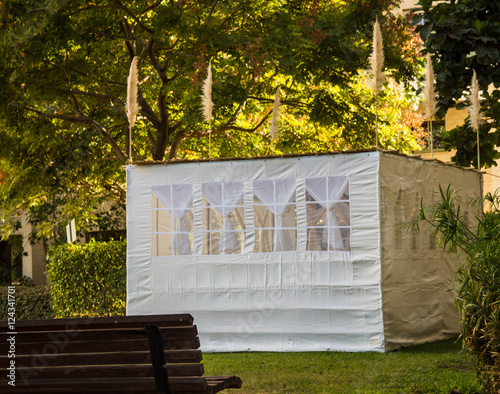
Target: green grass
431,368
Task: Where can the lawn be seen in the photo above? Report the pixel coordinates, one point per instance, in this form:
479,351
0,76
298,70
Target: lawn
431,368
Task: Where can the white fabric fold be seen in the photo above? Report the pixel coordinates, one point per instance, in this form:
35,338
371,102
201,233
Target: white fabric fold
225,197
327,191
277,194
178,199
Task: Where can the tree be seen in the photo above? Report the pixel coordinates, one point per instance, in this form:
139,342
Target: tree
64,67
463,36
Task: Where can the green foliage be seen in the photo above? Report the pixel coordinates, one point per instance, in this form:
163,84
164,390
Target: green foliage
30,303
478,279
63,73
11,261
89,279
463,36
5,276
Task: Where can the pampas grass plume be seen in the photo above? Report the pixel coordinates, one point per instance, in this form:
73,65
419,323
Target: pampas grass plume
429,93
206,97
475,113
274,119
377,60
475,106
132,90
132,106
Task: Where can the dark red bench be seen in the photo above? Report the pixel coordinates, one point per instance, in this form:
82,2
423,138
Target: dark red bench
158,353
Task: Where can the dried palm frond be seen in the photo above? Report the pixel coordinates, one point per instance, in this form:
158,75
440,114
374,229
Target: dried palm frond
475,105
377,60
206,97
132,106
377,75
274,120
207,105
475,112
429,93
430,106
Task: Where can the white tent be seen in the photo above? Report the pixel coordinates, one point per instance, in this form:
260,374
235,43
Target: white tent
293,253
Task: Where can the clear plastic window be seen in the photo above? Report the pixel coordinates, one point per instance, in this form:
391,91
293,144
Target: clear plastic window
275,215
328,213
223,218
172,220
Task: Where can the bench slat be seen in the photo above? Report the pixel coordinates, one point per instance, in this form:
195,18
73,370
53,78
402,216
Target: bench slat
129,357
83,372
101,371
121,385
178,385
179,332
182,319
229,382
188,384
97,346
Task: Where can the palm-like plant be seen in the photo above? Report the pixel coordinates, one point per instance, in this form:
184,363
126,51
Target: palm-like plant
478,296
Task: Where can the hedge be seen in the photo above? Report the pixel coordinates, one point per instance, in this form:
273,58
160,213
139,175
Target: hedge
88,279
30,302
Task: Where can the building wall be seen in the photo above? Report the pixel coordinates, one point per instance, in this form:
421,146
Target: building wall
406,6
34,261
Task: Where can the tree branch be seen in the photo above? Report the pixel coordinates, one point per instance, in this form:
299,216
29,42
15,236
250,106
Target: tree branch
252,130
70,118
96,95
147,111
211,12
68,82
81,118
96,161
106,136
134,17
174,146
151,7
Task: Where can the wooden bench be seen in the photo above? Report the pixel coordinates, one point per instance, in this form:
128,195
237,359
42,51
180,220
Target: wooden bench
157,353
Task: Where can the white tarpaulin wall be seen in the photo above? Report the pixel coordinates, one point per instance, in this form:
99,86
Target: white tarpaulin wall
279,254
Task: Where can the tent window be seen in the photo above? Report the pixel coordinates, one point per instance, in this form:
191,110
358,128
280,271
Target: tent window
328,213
172,220
223,217
275,215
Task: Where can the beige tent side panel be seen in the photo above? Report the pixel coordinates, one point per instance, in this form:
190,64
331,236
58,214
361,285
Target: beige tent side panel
417,277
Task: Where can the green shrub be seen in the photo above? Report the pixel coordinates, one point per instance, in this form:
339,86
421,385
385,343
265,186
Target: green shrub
89,279
30,303
478,279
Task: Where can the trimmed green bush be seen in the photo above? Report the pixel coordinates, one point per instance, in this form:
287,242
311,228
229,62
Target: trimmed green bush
30,303
89,279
